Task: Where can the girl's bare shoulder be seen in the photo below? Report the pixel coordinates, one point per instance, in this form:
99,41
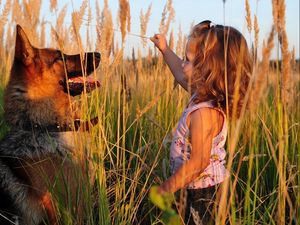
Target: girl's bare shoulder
206,119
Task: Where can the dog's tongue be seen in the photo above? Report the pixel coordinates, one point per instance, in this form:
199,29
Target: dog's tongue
88,80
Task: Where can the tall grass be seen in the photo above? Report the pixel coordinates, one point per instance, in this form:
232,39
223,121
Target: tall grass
138,106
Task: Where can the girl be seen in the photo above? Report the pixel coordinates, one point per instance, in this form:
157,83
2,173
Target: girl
216,67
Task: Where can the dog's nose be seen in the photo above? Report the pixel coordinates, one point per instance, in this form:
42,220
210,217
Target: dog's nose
97,58
92,59
93,56
97,55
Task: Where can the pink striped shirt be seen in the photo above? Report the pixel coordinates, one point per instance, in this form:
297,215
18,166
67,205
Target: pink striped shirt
181,149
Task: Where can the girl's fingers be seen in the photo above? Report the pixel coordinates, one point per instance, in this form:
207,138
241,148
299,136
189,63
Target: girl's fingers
154,38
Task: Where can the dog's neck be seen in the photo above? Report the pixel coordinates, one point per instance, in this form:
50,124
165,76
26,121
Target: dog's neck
76,125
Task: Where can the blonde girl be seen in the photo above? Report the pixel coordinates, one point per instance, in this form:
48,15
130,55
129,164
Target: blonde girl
216,67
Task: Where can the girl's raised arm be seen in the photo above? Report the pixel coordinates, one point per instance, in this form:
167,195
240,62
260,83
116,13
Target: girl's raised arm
172,60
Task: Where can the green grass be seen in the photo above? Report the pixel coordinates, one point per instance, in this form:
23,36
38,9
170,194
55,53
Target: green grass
130,150
136,152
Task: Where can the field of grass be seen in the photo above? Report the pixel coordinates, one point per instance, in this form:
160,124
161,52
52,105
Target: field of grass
139,105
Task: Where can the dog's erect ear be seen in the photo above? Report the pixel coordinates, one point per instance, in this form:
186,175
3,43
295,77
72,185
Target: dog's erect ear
23,50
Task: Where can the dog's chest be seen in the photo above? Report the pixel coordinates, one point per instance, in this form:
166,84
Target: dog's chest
74,143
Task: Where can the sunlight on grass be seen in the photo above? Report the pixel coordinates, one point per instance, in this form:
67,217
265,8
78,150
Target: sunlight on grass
138,105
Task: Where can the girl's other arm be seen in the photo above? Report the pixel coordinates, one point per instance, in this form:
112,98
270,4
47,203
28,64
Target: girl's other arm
202,129
172,60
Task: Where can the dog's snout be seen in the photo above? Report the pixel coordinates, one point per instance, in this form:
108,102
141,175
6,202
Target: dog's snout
97,56
93,57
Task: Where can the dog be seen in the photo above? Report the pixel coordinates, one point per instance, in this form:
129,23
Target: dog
38,162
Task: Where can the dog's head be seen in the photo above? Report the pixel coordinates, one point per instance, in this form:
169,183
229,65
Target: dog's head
43,83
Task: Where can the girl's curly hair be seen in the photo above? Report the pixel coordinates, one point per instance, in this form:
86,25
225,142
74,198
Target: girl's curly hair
222,66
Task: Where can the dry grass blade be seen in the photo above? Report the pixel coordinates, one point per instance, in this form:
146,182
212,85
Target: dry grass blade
43,34
17,12
124,16
248,17
77,20
256,37
5,12
53,5
263,70
168,16
179,44
293,59
283,40
144,19
4,18
105,33
171,40
148,106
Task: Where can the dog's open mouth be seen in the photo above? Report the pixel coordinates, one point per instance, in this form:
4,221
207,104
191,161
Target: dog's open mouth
80,80
78,85
75,85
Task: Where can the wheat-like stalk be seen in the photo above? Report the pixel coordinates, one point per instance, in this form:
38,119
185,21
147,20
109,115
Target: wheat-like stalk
98,25
293,59
171,15
128,19
9,37
171,40
43,34
77,20
163,20
89,20
275,14
4,18
59,32
248,16
283,197
53,5
256,36
150,55
283,39
107,31
124,16
144,19
32,10
139,64
61,18
168,15
179,42
17,12
262,72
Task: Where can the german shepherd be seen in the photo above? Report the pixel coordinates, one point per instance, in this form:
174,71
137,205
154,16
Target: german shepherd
38,155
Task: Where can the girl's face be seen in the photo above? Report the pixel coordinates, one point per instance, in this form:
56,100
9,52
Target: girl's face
190,54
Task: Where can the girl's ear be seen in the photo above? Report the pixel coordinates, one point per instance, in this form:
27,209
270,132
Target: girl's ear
24,51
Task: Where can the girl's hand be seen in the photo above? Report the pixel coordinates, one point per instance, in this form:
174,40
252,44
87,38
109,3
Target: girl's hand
160,42
161,190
